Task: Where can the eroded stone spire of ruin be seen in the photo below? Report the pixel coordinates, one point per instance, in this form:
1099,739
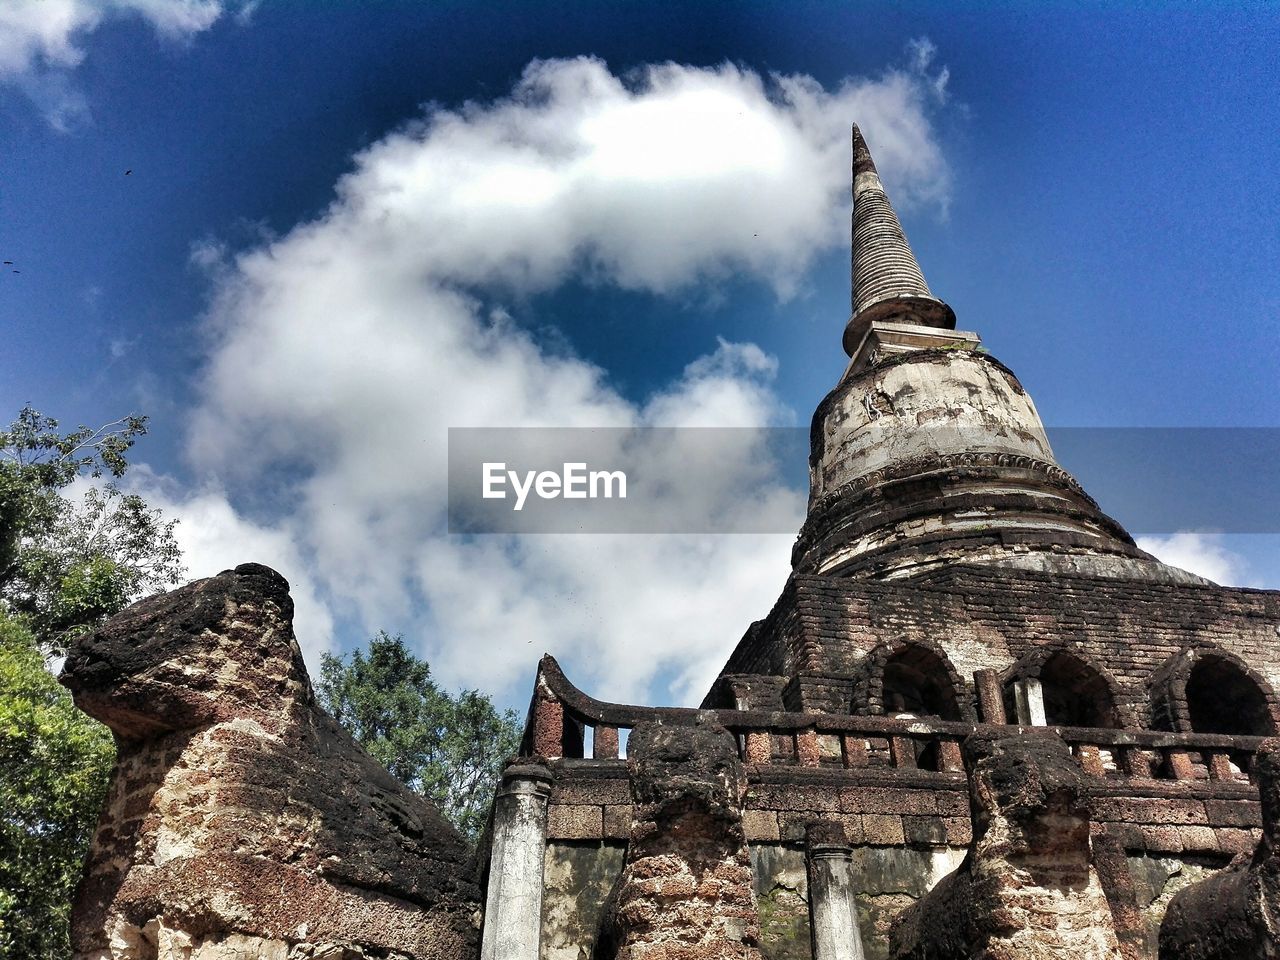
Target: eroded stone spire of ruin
929,451
888,284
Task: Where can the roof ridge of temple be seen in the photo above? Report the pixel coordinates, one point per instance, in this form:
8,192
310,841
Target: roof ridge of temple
888,284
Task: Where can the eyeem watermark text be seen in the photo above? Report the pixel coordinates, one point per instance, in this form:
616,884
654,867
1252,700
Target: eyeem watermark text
574,482
704,480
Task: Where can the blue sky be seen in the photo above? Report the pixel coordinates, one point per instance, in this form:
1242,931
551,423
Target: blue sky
322,258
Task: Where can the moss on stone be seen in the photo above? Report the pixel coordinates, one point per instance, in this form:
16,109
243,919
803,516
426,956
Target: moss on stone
782,899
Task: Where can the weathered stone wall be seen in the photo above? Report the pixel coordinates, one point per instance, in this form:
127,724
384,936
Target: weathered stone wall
892,869
578,877
781,886
889,879
685,892
885,881
899,836
1234,914
242,821
1157,879
907,827
1029,887
747,692
823,628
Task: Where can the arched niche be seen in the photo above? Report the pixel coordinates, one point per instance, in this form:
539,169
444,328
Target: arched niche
912,677
1075,692
1206,689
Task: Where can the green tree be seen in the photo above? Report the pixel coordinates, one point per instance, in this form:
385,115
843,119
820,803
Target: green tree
66,565
54,768
450,749
36,461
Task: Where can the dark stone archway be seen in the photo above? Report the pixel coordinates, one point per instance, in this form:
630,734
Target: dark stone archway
1076,692
912,677
1205,689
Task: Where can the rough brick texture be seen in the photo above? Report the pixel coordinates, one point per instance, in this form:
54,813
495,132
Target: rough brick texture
828,634
242,821
685,892
1235,914
1028,888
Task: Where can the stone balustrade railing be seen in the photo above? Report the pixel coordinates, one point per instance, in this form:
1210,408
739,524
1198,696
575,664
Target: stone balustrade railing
564,722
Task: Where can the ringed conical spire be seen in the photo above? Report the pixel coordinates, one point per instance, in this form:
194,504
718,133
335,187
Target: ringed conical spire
929,452
888,284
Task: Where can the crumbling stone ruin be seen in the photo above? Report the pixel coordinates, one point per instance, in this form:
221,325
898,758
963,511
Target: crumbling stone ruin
978,721
1235,914
1028,886
952,584
242,822
685,890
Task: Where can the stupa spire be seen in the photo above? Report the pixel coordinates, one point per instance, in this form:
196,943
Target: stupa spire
888,284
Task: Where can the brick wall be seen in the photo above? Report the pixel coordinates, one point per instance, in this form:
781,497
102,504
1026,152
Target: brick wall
591,801
908,828
823,628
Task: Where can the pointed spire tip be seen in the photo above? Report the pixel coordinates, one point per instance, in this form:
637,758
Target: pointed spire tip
888,285
862,162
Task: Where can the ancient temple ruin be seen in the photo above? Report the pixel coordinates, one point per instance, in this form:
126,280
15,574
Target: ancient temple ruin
978,721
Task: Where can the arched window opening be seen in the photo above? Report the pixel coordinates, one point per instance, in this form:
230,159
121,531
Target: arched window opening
1222,698
1076,694
1064,691
917,682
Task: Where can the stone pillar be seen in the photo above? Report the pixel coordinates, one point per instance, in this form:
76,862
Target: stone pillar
604,743
513,908
1028,697
833,914
990,697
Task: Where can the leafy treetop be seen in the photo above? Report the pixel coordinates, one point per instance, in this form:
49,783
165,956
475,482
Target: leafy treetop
32,446
450,749
67,565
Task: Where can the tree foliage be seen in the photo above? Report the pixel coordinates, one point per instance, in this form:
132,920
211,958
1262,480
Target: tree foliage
54,767
36,461
65,565
450,749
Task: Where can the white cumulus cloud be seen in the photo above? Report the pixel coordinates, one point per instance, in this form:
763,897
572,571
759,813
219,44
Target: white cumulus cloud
42,41
344,350
1204,554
